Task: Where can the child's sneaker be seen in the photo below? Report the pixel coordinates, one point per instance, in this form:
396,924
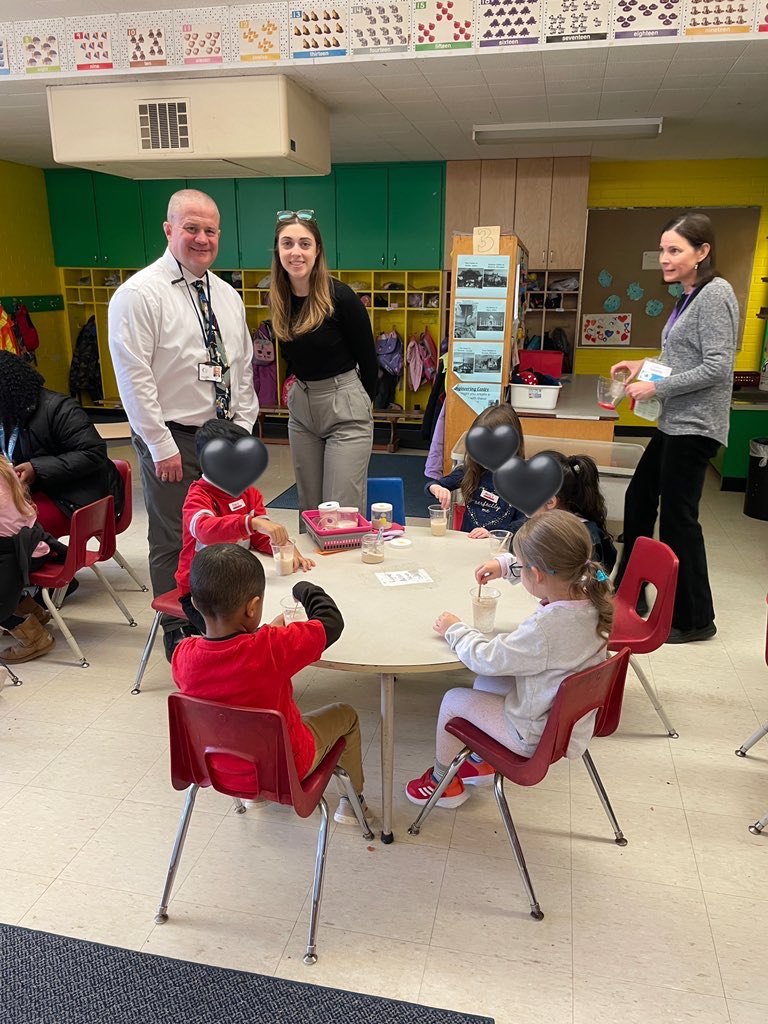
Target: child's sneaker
476,773
420,790
345,815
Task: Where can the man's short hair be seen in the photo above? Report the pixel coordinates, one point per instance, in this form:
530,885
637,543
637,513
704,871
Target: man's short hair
223,578
180,199
215,428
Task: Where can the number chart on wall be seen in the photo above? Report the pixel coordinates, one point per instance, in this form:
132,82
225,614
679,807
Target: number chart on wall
566,21
380,28
508,23
258,32
319,32
203,35
42,46
147,40
92,41
442,25
5,50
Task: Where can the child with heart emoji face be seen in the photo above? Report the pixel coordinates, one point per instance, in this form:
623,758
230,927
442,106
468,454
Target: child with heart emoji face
484,508
519,673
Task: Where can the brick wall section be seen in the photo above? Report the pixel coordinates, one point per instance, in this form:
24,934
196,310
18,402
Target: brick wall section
26,263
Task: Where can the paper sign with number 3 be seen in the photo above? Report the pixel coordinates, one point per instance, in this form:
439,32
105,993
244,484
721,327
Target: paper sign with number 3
485,241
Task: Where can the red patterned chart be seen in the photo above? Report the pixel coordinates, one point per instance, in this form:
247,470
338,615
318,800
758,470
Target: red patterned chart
443,25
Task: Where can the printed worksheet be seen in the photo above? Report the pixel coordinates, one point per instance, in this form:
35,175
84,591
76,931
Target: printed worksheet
405,578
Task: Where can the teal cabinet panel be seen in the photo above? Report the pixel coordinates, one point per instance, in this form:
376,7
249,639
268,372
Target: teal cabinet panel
222,191
318,194
258,200
361,217
415,216
118,215
72,212
154,197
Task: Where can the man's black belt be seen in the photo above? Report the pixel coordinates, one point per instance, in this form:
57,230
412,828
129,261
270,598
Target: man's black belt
182,427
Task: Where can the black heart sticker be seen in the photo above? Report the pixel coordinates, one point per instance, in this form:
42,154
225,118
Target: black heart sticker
492,448
528,486
234,467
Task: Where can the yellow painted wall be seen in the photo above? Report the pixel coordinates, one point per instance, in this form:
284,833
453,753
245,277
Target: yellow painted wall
26,264
687,184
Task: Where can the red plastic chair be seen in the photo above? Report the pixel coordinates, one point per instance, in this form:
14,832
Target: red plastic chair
163,604
123,521
655,563
759,825
93,521
202,728
598,688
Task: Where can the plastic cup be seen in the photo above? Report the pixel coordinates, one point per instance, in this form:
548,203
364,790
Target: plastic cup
499,541
283,556
610,392
372,549
484,608
293,610
438,520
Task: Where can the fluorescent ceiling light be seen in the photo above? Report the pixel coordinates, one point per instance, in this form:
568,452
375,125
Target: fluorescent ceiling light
567,131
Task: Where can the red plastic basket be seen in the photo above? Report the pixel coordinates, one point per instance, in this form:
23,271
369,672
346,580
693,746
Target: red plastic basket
332,540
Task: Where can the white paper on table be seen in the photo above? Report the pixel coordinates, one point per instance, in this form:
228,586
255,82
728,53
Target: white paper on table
404,578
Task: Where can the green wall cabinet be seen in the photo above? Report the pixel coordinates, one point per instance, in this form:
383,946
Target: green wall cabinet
72,211
118,215
361,217
222,191
318,194
258,200
154,208
415,216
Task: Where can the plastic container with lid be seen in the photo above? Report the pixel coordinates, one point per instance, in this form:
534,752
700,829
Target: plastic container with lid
348,518
381,515
329,515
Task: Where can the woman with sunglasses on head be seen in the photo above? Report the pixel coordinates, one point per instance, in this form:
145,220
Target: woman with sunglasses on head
698,344
325,335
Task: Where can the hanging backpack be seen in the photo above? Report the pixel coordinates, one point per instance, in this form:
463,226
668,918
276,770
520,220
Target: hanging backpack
85,369
428,351
263,344
389,352
29,336
558,341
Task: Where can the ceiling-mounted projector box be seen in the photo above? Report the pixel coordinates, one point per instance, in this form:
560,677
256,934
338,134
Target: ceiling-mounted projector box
242,127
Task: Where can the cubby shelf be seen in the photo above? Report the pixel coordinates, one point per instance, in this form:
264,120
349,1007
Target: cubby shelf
566,317
87,291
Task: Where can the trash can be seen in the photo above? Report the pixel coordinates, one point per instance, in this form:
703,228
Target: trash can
756,497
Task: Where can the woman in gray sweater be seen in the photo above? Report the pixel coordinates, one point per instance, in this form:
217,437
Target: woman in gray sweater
698,343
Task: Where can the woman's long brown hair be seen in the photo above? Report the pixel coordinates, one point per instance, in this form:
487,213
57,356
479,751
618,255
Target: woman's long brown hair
494,416
319,302
19,493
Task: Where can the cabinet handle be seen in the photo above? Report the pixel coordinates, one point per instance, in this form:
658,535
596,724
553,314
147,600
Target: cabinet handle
551,256
106,259
383,259
543,256
95,259
394,260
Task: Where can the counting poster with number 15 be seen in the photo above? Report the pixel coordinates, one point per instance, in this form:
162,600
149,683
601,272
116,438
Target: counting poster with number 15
442,25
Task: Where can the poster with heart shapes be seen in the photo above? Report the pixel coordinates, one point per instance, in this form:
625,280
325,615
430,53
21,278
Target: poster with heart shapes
606,329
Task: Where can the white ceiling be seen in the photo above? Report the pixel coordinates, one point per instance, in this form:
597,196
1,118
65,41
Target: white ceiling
713,96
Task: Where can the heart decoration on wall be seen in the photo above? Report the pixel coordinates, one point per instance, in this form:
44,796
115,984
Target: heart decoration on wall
234,467
526,486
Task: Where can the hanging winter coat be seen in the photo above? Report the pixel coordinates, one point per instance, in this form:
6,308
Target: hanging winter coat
29,336
415,363
428,354
85,371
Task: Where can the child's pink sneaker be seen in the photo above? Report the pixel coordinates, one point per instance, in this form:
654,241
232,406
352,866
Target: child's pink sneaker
420,790
473,773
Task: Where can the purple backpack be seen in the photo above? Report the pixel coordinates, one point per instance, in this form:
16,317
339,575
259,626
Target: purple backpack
389,352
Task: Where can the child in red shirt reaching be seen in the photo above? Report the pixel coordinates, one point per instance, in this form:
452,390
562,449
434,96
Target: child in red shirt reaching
212,516
240,663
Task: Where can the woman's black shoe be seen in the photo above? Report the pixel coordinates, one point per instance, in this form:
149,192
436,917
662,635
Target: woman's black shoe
687,636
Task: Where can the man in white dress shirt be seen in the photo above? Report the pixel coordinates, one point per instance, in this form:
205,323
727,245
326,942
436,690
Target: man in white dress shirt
182,353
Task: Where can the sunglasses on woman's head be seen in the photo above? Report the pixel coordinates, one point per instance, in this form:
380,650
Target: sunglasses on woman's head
283,215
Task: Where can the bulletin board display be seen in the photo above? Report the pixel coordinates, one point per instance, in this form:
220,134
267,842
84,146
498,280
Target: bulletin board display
622,277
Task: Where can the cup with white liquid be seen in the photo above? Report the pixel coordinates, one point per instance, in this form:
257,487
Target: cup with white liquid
498,541
283,556
484,601
438,520
293,610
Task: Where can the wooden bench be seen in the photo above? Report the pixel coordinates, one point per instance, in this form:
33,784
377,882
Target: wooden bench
390,416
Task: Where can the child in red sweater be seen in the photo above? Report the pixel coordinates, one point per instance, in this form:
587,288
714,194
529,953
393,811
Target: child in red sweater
212,516
238,662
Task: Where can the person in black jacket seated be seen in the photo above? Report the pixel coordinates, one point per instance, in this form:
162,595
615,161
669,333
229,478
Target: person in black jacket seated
326,338
55,449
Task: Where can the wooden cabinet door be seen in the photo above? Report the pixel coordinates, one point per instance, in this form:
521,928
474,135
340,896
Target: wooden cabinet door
222,192
318,194
361,217
258,200
497,194
72,212
415,221
533,193
568,213
462,201
154,197
118,215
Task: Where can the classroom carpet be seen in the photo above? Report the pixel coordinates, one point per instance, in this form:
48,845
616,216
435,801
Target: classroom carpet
409,467
54,979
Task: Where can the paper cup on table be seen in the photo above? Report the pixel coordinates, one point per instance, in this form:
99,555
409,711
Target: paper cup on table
283,555
498,541
484,608
438,520
293,610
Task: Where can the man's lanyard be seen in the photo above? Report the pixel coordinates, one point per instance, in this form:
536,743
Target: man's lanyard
209,332
8,452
